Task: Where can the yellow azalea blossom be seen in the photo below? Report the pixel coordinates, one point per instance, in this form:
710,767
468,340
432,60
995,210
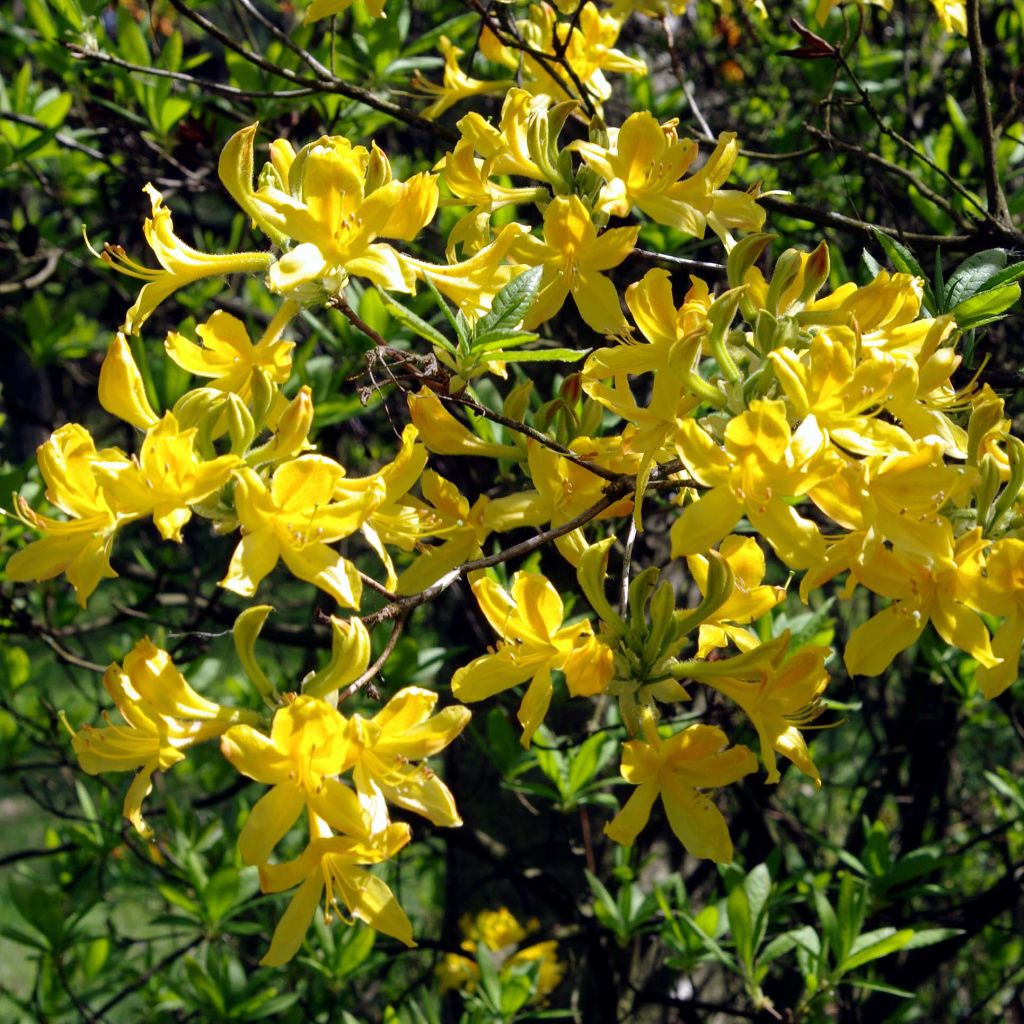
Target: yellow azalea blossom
762,464
786,697
309,745
393,521
456,85
180,263
229,356
449,515
295,519
643,167
327,204
672,353
573,256
163,716
565,489
500,933
468,179
588,46
121,389
943,593
443,434
167,478
897,497
750,598
80,546
506,149
330,865
953,15
473,282
404,731
320,9
534,642
679,769
1003,594
844,390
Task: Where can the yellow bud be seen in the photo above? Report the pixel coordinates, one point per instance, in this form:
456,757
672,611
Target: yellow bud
292,432
350,654
121,390
245,632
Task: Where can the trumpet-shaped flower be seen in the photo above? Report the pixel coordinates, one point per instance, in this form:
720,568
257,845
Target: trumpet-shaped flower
79,547
180,263
167,478
404,731
679,769
310,744
573,256
643,167
330,865
944,592
534,642
750,598
763,463
228,355
163,717
327,204
786,697
1003,594
500,933
455,86
295,519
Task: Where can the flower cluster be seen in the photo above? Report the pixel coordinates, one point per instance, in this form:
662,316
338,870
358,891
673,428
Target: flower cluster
758,410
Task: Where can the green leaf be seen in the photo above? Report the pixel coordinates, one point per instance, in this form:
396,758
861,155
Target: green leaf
970,277
416,324
737,907
511,304
986,306
878,986
542,355
874,945
1014,272
931,936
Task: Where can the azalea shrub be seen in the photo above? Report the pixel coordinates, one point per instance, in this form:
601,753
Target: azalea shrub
496,548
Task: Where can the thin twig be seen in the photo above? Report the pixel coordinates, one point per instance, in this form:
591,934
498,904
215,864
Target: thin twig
993,189
355,686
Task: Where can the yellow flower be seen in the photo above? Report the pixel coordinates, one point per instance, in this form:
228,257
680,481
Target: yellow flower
79,547
121,389
763,463
1003,594
403,731
573,256
952,14
534,642
326,205
679,769
750,598
167,478
310,744
228,355
456,84
500,933
785,697
320,9
643,167
943,591
180,262
331,863
164,716
295,520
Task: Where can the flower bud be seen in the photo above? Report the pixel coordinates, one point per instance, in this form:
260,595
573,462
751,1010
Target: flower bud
121,389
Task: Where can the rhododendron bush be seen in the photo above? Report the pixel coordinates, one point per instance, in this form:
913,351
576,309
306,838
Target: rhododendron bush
498,548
